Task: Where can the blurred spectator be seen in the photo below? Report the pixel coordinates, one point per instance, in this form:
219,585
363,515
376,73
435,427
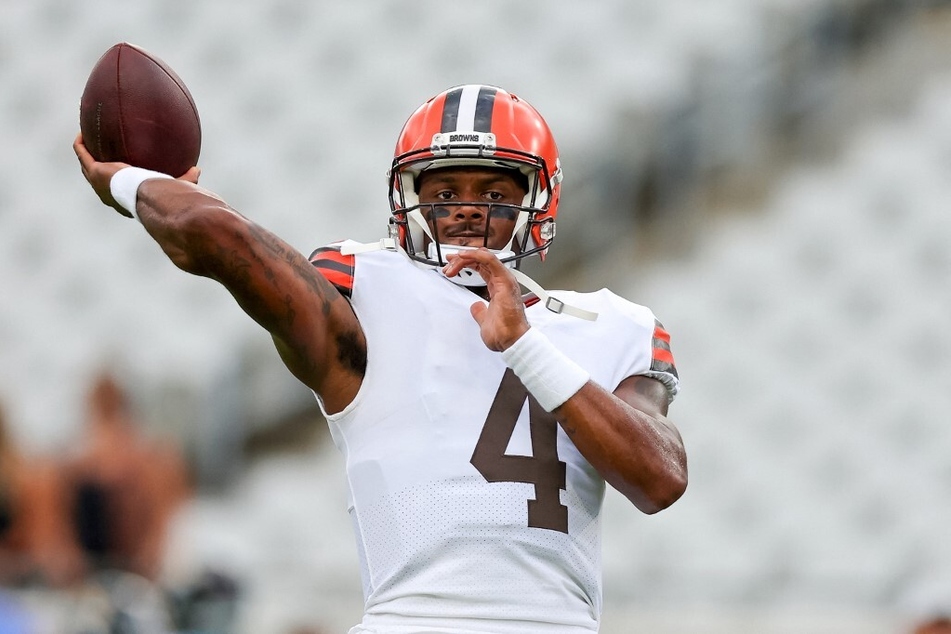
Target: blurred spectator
35,545
937,625
208,605
125,486
926,601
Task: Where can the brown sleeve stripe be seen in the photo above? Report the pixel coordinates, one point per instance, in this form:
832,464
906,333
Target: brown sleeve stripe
662,359
335,267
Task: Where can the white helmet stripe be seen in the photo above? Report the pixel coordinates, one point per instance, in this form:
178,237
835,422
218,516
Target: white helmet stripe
468,109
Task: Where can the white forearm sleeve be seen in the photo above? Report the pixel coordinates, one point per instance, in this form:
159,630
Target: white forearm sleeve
125,186
546,372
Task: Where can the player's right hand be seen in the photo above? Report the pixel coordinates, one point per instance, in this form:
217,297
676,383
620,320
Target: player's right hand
99,175
502,321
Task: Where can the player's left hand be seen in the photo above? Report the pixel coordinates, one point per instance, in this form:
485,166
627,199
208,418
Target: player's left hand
502,321
99,175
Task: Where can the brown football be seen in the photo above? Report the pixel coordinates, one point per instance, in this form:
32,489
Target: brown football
135,109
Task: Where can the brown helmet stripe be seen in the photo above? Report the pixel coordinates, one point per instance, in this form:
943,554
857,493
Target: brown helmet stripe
450,110
483,110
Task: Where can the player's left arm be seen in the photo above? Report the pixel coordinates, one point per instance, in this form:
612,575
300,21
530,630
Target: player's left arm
628,438
624,434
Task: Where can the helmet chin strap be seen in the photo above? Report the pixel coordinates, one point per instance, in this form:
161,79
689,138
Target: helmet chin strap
555,305
470,277
467,276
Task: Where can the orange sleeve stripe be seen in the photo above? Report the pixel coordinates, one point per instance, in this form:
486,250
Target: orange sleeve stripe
335,267
661,354
660,333
662,359
338,279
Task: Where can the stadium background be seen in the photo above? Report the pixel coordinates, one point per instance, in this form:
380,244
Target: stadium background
770,176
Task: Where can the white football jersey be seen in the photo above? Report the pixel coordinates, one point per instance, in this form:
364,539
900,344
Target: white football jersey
473,511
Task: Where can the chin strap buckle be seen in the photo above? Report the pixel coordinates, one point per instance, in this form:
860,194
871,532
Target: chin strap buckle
553,304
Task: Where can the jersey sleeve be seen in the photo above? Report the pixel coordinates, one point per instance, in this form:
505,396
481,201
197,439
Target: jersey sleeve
336,267
663,368
647,342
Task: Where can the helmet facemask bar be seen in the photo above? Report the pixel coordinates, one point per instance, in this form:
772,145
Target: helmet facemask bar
416,234
438,249
430,213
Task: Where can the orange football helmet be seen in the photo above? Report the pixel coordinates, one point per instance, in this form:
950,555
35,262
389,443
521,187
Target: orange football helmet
476,125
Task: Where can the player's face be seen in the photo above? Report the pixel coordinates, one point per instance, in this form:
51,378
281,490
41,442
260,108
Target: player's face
473,225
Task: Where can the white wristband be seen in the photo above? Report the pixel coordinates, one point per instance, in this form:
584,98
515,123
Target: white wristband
125,186
546,372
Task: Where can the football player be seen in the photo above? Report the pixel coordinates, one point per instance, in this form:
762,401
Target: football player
479,426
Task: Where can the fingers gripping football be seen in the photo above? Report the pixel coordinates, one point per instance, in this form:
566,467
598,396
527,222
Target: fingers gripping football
99,175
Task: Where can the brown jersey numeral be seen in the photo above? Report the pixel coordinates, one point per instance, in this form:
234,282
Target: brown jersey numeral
542,469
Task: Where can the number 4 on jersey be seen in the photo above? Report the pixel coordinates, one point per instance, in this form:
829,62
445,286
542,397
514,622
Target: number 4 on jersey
542,469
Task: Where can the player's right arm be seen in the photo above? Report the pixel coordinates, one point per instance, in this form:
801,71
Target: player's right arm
312,324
